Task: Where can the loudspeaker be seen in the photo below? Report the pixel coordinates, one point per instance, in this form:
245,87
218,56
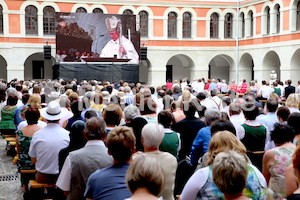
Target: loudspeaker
143,53
47,52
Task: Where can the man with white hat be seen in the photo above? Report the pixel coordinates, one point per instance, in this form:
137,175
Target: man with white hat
47,142
119,45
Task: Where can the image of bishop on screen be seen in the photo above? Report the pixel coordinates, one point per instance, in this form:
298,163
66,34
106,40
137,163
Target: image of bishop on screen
119,45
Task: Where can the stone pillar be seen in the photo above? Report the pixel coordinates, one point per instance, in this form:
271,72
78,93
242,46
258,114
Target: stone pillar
221,28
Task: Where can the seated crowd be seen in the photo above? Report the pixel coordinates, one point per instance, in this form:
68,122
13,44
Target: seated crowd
200,140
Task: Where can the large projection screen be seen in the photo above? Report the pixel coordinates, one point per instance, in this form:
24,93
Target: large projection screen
84,35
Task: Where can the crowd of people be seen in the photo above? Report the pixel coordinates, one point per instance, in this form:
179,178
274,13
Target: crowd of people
204,139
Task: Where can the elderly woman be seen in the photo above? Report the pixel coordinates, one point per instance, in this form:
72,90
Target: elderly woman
201,185
134,120
152,136
293,102
275,161
230,171
145,178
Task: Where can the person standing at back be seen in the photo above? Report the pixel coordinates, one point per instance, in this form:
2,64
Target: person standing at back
289,89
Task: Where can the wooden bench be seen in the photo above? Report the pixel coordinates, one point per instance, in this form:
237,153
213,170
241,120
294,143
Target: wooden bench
42,191
27,171
33,185
11,139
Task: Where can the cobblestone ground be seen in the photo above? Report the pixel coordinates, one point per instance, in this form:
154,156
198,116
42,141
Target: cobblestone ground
10,186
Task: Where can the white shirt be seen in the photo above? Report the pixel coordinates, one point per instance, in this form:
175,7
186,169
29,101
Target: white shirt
298,89
46,145
265,91
64,179
200,87
269,120
237,121
113,48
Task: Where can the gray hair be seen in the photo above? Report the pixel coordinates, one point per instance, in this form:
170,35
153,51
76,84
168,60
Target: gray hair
127,89
214,92
89,95
11,91
230,171
212,115
153,134
131,112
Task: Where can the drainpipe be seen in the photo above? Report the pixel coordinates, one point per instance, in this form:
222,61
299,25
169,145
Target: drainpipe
237,42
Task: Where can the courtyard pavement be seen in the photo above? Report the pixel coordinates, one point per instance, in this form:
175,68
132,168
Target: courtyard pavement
10,186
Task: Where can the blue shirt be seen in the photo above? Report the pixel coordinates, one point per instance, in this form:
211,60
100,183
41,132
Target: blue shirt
200,144
17,116
108,183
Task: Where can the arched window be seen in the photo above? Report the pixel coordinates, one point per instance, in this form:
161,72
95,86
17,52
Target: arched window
228,26
81,10
172,25
49,20
187,25
277,13
144,23
98,10
242,18
251,27
128,12
268,20
214,25
1,19
31,20
298,17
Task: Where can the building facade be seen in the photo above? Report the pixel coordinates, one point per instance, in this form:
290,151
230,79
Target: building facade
212,39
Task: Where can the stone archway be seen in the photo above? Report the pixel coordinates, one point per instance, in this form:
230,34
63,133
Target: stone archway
179,67
3,68
219,68
295,67
271,62
246,67
36,67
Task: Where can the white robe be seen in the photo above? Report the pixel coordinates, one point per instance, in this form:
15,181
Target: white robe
112,48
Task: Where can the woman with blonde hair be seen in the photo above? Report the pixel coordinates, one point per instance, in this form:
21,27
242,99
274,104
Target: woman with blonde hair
35,101
145,178
201,185
293,102
185,96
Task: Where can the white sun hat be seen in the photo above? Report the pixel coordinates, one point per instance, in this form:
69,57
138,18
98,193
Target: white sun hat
53,111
